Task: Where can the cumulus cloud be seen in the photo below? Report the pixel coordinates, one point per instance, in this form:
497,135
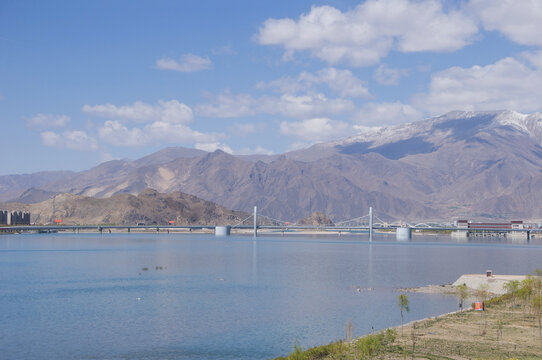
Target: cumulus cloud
259,150
364,35
223,50
393,113
510,83
187,63
167,111
242,129
385,75
305,106
213,146
342,82
74,140
316,129
227,105
158,132
520,21
48,121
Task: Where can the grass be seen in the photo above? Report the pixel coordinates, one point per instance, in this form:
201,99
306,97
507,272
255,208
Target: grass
504,331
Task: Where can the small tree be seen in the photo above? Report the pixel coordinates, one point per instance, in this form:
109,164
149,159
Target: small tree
483,293
512,288
525,292
537,307
462,293
404,303
348,331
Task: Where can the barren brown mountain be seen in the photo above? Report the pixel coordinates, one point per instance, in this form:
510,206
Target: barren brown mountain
149,207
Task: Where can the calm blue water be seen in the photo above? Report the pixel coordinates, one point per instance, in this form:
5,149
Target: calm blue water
88,297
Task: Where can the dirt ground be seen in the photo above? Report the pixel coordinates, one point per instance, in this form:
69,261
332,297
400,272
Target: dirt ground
506,330
503,331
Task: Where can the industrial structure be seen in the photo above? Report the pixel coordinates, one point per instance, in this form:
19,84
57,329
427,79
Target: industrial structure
510,229
14,218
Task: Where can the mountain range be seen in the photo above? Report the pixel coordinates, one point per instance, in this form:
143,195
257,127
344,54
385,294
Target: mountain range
474,165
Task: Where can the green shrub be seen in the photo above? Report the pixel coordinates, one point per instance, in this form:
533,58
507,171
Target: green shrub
370,345
390,336
321,352
298,353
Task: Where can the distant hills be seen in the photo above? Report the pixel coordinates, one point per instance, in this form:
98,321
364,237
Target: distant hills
474,165
149,208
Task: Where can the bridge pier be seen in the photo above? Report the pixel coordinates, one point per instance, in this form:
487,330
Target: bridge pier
403,233
222,230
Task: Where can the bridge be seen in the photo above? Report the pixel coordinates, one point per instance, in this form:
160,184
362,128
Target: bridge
255,222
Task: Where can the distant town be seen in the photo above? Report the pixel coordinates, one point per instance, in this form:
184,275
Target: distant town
14,218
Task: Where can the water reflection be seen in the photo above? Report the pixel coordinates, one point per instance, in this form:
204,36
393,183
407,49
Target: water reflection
254,261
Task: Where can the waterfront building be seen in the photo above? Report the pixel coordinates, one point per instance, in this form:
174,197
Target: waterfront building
509,229
14,217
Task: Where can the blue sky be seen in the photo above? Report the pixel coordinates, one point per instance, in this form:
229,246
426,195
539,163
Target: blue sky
82,82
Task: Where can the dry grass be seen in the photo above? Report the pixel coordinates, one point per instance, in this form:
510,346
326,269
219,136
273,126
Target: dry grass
504,331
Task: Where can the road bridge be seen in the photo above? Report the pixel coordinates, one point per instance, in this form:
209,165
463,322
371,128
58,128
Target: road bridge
364,223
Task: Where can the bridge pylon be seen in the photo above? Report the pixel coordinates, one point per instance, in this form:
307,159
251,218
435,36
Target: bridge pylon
370,223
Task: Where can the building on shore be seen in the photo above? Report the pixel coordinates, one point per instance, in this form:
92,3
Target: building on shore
513,229
14,218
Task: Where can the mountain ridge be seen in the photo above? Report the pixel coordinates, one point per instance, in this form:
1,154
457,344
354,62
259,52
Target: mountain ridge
461,164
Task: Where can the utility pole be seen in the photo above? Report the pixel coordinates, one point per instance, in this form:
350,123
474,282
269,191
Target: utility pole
370,223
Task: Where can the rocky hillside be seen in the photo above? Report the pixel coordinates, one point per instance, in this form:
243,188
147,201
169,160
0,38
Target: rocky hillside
149,207
474,165
317,218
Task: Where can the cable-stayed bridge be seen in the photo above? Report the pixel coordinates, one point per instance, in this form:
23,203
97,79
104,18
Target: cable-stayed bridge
369,223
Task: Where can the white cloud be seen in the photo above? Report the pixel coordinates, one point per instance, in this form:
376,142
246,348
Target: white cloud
245,129
305,106
187,63
223,50
167,111
74,140
520,21
158,132
385,75
316,129
510,83
259,150
285,84
385,114
48,121
227,105
298,145
342,82
213,146
364,35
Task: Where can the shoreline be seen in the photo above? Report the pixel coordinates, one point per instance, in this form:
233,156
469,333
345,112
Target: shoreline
504,330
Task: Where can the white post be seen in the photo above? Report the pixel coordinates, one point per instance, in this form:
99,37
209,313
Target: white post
370,223
255,221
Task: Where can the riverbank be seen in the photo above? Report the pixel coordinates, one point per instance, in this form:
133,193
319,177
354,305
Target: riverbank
506,330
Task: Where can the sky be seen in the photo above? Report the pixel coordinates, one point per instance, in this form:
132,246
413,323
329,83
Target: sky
83,82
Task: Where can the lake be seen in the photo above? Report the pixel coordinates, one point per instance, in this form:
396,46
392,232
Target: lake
172,296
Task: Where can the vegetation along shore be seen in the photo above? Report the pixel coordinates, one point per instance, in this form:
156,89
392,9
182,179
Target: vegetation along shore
510,327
